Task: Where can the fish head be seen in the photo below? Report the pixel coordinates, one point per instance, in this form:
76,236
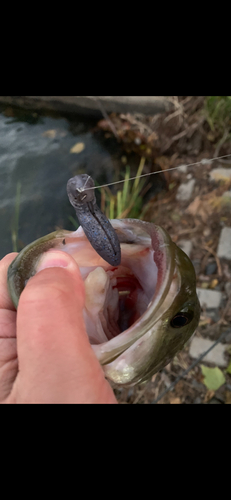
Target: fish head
139,314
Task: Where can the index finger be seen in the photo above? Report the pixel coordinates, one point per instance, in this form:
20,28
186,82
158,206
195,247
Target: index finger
5,300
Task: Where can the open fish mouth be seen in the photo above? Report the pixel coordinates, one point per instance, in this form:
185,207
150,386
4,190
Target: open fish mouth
137,314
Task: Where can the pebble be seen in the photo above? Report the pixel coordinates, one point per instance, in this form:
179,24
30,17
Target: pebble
228,336
227,194
186,246
211,268
218,174
228,288
224,245
199,345
213,314
211,299
185,190
183,169
197,401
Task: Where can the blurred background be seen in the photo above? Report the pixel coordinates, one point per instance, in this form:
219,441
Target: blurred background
45,140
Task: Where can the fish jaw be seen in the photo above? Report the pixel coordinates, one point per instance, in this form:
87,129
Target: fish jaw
157,346
150,258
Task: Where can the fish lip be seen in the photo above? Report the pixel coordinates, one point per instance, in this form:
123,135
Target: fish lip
164,257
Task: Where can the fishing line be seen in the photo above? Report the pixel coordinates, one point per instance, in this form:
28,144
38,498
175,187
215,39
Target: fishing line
204,161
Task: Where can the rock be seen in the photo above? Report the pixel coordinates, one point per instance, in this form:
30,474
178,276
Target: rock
199,345
226,194
213,314
210,299
228,336
197,401
218,174
186,246
185,190
224,245
228,288
211,268
183,169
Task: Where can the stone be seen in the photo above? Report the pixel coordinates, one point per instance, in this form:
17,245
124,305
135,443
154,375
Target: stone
228,288
213,314
224,245
216,356
186,246
211,268
185,190
183,169
211,299
228,336
226,194
197,401
220,174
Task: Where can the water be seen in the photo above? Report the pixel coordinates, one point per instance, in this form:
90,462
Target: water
35,152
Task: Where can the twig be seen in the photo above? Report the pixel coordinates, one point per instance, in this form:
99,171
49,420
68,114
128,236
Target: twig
221,142
216,258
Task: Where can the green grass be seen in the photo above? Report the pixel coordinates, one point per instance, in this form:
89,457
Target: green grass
128,201
218,112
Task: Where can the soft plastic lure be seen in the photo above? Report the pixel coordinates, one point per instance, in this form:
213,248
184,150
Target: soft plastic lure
95,224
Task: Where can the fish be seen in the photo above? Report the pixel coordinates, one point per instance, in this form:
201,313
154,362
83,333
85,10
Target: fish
137,314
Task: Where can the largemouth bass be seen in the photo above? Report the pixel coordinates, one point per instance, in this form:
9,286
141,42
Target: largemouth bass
138,314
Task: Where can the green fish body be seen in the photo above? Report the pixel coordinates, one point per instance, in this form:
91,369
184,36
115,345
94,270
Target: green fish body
138,314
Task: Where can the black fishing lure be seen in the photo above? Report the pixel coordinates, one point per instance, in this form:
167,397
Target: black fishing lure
95,224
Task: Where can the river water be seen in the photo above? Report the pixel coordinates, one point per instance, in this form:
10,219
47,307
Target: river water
36,160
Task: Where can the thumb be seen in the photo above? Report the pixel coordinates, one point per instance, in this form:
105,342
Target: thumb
56,360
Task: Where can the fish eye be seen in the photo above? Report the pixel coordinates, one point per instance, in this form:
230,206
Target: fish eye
181,319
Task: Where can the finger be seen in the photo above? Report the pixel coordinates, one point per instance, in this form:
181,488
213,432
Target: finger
5,300
8,350
56,361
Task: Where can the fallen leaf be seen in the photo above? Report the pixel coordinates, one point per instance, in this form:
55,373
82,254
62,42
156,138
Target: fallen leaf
213,283
213,377
209,395
50,133
193,207
154,377
174,401
77,148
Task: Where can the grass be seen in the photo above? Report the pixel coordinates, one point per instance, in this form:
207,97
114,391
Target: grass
15,221
218,112
128,201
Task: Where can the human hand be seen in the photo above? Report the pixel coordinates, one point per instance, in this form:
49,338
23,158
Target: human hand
52,360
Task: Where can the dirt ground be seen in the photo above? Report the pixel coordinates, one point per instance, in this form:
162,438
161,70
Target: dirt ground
180,138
